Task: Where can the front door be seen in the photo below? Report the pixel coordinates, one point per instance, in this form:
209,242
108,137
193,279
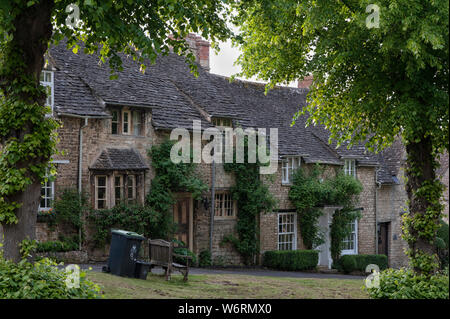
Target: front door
182,216
383,237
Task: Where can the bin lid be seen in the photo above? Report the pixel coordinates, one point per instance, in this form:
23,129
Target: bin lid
126,233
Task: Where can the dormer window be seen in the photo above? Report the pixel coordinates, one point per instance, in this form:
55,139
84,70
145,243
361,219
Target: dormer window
350,167
127,122
46,80
289,165
222,122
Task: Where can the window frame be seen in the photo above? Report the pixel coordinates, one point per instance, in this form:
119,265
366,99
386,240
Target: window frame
133,188
137,115
121,189
128,122
222,209
350,167
48,84
288,169
354,234
293,232
96,187
51,199
117,122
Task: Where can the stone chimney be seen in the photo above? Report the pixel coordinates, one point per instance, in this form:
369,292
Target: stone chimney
200,49
306,82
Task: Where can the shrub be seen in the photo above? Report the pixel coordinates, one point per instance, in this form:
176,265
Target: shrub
406,284
441,244
204,258
349,263
291,259
41,280
56,246
182,250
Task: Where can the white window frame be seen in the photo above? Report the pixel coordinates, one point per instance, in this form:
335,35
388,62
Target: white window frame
46,186
289,165
106,191
224,204
350,167
354,234
293,242
128,123
49,84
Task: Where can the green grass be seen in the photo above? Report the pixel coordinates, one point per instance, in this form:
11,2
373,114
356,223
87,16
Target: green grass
227,286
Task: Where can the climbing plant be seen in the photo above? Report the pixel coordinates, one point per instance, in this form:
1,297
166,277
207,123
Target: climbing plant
309,192
154,218
253,197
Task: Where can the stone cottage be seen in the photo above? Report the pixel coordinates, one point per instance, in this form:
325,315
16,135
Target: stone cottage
109,125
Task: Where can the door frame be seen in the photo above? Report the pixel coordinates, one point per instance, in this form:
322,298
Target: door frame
179,196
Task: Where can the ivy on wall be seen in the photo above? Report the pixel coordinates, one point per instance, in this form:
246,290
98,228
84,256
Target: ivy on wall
310,192
253,197
154,218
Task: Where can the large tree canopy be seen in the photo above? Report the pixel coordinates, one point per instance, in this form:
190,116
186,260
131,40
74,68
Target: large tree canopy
371,83
141,29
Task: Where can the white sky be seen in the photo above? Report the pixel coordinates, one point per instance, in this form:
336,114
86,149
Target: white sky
222,63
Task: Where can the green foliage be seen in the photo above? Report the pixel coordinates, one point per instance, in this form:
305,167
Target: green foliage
253,197
291,259
70,208
184,251
137,218
204,258
57,246
309,192
349,263
41,280
441,245
407,284
339,230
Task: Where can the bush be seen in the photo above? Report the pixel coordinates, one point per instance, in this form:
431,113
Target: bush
406,284
291,259
349,263
441,245
56,246
204,258
41,280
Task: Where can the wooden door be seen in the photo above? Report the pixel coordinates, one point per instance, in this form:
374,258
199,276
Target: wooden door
383,238
181,216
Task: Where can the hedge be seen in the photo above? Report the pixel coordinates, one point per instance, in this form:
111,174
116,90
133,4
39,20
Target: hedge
349,263
291,259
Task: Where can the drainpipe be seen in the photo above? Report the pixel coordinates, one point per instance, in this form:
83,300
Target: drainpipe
80,171
213,196
377,187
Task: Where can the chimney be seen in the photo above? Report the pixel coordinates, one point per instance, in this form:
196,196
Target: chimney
200,49
306,82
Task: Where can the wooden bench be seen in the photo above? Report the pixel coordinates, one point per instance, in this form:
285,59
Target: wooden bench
161,254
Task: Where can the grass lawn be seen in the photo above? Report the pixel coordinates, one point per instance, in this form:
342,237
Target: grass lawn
227,286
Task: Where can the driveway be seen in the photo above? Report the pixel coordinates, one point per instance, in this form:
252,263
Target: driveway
247,272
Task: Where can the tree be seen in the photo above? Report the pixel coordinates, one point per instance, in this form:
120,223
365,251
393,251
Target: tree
380,70
141,29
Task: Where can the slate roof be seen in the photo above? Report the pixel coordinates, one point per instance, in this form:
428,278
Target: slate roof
119,159
176,98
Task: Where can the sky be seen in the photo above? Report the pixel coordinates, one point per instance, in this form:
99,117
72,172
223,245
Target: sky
222,63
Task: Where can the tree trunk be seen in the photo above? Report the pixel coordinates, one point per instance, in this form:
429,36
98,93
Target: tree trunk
23,57
420,169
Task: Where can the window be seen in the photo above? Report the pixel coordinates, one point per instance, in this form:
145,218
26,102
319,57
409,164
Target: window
100,192
222,122
47,192
350,167
46,80
350,243
126,122
137,123
115,122
131,188
118,189
287,231
288,167
224,205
